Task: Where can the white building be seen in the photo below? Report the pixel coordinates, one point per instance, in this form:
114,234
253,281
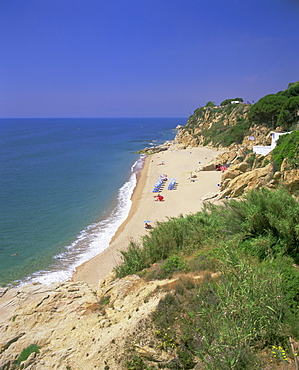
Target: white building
264,150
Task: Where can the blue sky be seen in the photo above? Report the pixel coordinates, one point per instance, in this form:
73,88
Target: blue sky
142,58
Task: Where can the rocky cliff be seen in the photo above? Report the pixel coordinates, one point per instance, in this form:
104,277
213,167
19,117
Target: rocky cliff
78,328
246,170
224,127
227,128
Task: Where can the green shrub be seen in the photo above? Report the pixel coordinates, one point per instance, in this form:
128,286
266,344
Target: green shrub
222,135
26,352
250,160
288,115
242,312
228,101
287,147
203,261
134,260
277,109
225,321
182,234
266,223
210,104
252,305
136,363
174,263
266,110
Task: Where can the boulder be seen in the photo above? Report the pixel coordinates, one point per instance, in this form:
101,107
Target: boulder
291,180
243,167
249,180
226,157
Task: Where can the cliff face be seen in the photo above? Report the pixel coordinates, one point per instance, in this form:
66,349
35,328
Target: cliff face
77,328
216,126
223,127
220,126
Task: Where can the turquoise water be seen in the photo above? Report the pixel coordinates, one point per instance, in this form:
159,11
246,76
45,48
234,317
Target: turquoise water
65,187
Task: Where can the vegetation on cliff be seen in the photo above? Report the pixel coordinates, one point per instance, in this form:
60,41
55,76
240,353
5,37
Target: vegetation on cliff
244,309
279,109
287,148
239,127
217,126
231,122
245,317
240,319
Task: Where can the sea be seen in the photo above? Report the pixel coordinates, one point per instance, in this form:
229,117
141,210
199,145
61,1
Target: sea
65,188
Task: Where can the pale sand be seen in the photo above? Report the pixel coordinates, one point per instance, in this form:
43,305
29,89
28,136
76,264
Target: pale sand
185,199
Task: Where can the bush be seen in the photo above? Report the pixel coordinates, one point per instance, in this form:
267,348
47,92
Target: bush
182,234
174,263
27,352
228,101
134,260
266,222
252,305
288,115
210,104
225,321
240,312
287,147
266,110
222,135
250,160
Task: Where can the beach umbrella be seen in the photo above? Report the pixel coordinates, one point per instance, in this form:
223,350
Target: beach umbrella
146,221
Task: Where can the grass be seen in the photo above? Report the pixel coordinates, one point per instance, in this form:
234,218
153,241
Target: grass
287,147
26,352
228,321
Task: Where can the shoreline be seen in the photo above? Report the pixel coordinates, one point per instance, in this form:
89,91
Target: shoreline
109,257
136,195
175,163
186,199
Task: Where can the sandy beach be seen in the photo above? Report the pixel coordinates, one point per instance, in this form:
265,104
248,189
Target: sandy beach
185,199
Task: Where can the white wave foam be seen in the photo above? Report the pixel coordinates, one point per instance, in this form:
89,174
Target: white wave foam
93,240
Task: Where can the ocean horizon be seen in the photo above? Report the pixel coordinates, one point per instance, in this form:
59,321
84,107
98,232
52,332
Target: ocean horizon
65,187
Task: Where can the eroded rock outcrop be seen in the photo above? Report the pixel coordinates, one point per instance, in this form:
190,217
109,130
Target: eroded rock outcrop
241,181
246,170
77,328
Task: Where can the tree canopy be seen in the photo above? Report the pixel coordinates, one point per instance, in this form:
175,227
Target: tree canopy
228,101
210,104
267,109
280,109
289,113
292,90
